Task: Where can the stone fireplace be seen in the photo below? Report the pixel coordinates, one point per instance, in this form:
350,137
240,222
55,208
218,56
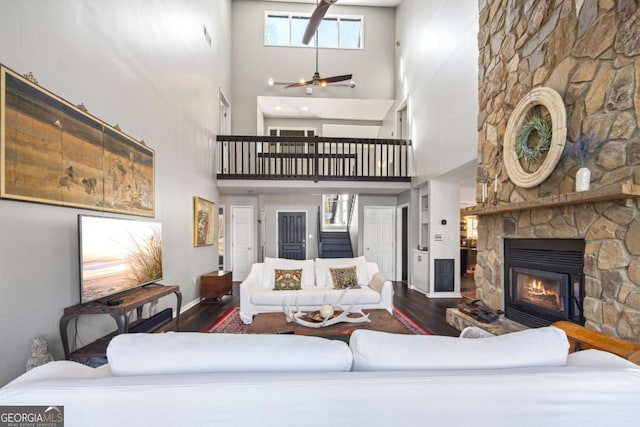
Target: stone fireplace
544,281
611,265
589,53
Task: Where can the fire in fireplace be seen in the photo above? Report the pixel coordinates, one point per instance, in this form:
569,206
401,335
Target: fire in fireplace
537,293
544,280
542,289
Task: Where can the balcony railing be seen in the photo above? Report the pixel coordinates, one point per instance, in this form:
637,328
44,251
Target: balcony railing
312,158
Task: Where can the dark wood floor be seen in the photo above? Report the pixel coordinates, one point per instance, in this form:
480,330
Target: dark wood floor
427,312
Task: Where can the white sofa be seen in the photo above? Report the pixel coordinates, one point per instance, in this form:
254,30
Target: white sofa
258,296
180,379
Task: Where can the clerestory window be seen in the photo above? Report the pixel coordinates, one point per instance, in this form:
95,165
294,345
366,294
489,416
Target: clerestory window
335,31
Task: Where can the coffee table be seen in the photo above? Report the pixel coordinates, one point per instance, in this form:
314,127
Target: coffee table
273,323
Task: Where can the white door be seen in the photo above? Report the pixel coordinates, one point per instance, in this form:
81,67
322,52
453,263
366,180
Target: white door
379,237
241,241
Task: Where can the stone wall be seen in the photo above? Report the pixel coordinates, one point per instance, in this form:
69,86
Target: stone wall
589,52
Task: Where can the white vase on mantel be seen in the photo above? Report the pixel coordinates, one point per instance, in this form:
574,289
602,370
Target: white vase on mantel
583,179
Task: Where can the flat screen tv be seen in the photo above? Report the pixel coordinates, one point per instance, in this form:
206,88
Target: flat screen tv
117,255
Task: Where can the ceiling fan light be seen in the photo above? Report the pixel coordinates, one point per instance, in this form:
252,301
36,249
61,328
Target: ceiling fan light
271,82
323,84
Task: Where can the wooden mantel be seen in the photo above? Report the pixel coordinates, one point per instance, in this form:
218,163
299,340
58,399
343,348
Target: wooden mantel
617,191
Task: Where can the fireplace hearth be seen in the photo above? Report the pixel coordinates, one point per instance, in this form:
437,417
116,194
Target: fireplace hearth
544,280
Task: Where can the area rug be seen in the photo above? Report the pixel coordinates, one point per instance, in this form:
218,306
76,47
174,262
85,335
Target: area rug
230,323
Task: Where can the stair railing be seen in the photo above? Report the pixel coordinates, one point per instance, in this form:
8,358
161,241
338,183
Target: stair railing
352,203
319,231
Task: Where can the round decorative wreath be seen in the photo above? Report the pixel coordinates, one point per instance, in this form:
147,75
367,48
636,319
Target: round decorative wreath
552,101
538,124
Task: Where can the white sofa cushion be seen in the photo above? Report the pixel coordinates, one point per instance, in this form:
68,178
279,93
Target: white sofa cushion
374,350
193,352
323,276
271,264
598,359
315,296
63,369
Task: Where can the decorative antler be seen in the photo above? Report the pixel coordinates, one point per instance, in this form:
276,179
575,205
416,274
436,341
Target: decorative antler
342,317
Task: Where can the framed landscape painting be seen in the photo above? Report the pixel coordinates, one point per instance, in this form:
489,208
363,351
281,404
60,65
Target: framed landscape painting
204,219
53,152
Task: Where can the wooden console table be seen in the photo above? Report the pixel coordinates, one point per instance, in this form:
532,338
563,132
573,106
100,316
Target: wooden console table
132,299
215,285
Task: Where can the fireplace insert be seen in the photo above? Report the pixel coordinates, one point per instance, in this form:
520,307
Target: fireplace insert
544,280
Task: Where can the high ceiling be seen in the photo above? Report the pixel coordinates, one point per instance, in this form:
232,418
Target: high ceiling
324,108
328,108
380,3
352,109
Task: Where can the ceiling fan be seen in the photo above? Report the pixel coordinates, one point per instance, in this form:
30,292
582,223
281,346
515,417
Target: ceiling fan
314,22
316,19
316,80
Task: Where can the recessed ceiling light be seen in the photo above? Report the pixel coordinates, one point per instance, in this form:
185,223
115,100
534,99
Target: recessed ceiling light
278,108
305,108
271,82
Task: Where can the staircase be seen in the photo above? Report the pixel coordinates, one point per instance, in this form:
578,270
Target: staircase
335,244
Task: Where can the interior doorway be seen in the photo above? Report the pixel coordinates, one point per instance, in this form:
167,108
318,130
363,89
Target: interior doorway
402,121
405,243
221,238
402,233
380,237
242,227
291,238
224,119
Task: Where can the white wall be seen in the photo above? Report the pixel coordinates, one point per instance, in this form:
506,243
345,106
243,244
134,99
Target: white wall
437,70
253,63
145,65
354,227
316,124
350,131
388,126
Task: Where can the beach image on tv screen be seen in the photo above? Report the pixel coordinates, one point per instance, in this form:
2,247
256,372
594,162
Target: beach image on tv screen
118,255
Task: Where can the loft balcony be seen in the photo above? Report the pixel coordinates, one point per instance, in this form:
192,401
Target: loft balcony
312,159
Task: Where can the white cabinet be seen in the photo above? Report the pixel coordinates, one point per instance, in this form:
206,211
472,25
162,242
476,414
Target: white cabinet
420,271
439,234
424,218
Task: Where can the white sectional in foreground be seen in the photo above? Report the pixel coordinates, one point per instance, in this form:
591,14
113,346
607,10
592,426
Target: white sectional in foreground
257,294
548,388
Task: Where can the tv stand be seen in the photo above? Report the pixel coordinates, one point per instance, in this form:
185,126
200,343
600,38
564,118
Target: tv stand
152,284
129,300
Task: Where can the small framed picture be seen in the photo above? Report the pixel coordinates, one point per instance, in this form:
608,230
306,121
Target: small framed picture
204,219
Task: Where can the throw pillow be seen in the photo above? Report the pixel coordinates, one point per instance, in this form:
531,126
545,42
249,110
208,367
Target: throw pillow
377,281
323,275
288,280
344,278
